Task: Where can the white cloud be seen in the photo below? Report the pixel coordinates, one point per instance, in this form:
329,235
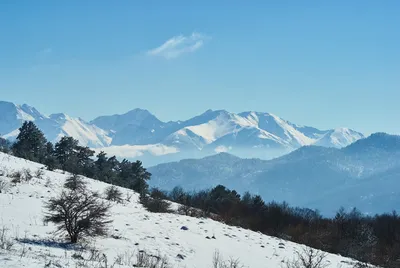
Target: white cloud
178,45
222,149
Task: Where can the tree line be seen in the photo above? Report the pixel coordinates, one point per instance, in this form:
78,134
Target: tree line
373,239
69,156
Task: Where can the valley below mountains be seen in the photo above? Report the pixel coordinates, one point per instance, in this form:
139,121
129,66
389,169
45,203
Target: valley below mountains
364,175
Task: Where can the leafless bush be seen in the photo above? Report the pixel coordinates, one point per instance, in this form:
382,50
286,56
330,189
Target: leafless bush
26,175
16,177
39,174
128,196
127,258
19,176
150,261
48,183
4,186
189,211
112,193
308,258
5,242
218,262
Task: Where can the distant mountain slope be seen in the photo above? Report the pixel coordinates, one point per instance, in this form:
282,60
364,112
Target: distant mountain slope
54,126
361,174
245,134
137,132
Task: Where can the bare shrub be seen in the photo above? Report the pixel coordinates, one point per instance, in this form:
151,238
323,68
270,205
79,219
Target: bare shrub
78,213
128,196
5,242
16,177
218,262
39,174
112,193
27,175
150,261
75,183
308,258
4,186
127,258
189,211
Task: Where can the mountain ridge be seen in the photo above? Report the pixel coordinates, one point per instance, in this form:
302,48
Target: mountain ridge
137,132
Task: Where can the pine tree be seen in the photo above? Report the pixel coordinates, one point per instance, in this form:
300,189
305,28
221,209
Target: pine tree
66,154
31,143
134,176
50,161
85,163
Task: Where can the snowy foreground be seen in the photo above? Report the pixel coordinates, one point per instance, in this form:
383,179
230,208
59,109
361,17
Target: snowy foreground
133,229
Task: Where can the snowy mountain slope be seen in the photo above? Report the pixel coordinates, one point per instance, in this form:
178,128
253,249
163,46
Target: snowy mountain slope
133,229
338,138
352,173
54,126
278,127
244,134
136,127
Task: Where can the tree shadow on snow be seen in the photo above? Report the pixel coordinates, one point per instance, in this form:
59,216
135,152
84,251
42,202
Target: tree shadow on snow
51,244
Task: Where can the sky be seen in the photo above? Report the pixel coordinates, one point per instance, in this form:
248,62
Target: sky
320,63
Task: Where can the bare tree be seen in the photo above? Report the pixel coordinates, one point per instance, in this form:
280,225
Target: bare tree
4,185
308,258
78,213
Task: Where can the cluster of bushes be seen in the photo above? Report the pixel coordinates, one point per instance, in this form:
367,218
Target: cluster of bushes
68,155
373,239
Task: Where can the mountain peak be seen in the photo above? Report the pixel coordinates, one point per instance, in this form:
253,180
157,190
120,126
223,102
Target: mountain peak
59,116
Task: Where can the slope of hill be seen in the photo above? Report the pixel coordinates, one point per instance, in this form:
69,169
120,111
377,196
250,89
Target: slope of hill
36,245
135,133
312,176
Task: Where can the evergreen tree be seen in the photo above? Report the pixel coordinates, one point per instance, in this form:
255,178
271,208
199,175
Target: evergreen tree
85,163
101,167
50,161
66,154
134,176
31,143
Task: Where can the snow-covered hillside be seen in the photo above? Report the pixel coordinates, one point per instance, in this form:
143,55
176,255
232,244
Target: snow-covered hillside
35,245
138,132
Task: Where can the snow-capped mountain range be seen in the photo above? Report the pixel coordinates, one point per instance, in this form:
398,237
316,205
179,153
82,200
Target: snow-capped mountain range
139,133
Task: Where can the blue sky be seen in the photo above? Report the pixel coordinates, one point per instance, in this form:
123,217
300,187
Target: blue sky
320,63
